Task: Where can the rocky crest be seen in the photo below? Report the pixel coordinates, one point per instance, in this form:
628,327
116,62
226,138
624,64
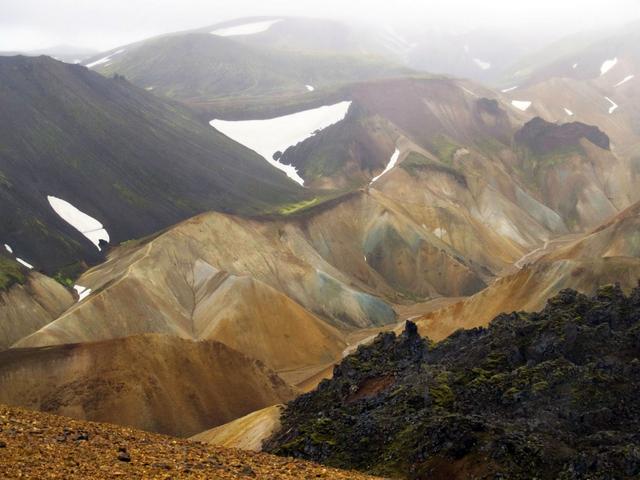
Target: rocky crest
543,137
550,395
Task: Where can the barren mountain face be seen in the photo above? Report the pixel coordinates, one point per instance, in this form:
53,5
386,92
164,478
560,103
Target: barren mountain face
203,223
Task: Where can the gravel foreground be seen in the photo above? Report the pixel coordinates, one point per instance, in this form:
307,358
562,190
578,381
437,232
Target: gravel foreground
40,445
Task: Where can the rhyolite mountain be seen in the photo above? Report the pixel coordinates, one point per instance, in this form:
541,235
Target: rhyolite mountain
131,160
158,383
591,78
550,394
609,253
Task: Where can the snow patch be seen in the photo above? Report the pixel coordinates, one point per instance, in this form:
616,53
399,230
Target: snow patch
8,248
574,66
608,65
625,80
266,137
85,224
468,91
521,104
568,112
310,88
440,232
613,106
83,292
104,59
246,28
149,88
25,263
390,165
482,64
510,89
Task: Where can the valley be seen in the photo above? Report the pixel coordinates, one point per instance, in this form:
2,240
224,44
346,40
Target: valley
298,235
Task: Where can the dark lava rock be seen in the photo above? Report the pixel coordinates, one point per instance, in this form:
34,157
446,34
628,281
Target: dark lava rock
547,395
543,137
3,444
124,456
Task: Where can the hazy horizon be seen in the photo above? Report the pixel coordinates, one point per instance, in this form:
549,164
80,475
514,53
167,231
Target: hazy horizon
37,24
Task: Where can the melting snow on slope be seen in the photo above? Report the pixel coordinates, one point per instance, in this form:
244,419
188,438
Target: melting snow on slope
85,224
26,264
8,248
482,64
608,65
266,137
625,80
568,112
440,232
510,89
390,165
83,292
468,91
613,106
104,59
246,28
311,88
521,104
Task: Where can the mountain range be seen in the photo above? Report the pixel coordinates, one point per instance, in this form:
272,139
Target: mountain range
313,234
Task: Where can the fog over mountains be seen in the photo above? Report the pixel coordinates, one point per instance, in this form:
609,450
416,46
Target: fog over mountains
398,238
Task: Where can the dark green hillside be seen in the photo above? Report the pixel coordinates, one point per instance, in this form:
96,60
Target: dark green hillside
200,67
131,160
548,395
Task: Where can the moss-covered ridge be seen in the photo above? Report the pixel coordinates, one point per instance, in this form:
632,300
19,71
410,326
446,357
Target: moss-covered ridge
547,395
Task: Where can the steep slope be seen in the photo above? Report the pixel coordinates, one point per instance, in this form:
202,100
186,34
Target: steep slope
129,160
592,78
573,168
475,139
29,304
246,433
548,394
38,445
153,382
606,255
272,280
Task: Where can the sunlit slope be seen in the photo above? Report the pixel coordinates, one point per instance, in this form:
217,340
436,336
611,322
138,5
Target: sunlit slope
153,382
28,301
130,160
608,254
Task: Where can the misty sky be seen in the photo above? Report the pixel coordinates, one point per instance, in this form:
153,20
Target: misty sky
103,24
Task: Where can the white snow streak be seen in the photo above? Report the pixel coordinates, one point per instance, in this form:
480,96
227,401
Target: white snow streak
83,292
482,64
311,88
613,106
568,112
521,104
103,59
266,137
510,89
608,65
625,80
8,248
26,264
246,28
390,165
85,224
